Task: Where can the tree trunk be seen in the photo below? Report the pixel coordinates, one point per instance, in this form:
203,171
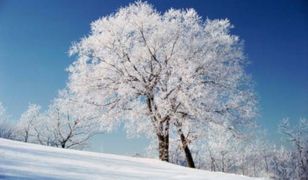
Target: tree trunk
163,147
254,168
266,165
189,158
63,144
223,163
162,131
26,136
213,166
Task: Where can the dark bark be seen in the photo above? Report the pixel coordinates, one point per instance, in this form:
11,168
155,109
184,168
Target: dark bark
223,163
63,144
163,145
184,141
213,166
189,158
163,138
26,136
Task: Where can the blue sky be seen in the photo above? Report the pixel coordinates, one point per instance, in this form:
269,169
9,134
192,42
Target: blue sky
35,36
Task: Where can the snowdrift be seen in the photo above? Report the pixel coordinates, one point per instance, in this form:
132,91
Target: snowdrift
30,161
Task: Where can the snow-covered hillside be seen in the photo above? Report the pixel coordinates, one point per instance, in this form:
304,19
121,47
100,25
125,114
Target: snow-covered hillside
29,161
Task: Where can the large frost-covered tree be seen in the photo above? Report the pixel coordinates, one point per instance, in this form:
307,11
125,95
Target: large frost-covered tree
156,71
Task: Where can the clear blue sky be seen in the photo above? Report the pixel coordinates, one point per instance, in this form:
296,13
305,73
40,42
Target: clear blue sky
36,34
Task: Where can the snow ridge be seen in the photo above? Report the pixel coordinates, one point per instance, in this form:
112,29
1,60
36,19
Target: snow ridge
20,160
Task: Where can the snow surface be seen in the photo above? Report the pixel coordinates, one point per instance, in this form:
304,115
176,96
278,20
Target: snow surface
20,160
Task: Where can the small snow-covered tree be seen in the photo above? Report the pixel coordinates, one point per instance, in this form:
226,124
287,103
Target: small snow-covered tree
6,129
280,165
26,126
298,136
156,70
220,143
43,131
69,123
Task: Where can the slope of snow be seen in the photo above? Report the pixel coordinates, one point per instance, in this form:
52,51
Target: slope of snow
29,161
